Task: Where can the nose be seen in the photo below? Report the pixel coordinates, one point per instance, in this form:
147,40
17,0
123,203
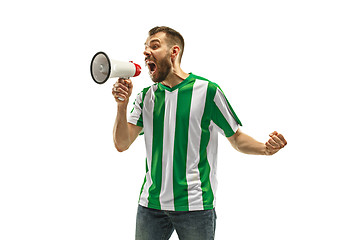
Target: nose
147,52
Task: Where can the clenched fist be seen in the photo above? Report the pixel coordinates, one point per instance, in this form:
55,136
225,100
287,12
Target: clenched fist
275,143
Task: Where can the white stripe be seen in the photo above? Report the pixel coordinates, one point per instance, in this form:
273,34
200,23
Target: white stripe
217,128
136,113
224,108
212,151
167,191
148,110
193,150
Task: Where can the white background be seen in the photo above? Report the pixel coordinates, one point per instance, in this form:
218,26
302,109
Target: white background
290,66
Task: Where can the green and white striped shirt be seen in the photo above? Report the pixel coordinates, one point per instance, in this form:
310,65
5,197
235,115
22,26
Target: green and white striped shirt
180,126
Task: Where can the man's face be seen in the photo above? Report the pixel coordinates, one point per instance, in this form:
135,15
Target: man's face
157,57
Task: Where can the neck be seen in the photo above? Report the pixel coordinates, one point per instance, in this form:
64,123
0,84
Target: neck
176,76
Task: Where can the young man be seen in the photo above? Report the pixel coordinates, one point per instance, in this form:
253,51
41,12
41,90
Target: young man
180,117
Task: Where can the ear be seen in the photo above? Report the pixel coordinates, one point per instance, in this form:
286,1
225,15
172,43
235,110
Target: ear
175,50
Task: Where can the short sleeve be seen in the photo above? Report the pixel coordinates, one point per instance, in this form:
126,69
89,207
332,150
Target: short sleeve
136,116
223,115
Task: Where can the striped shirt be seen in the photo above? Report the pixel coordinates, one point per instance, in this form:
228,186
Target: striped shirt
180,127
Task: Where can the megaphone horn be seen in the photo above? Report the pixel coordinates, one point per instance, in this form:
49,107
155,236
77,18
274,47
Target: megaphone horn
102,68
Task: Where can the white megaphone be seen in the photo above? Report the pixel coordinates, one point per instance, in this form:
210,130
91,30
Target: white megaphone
102,68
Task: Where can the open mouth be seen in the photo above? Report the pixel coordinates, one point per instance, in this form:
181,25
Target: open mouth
152,67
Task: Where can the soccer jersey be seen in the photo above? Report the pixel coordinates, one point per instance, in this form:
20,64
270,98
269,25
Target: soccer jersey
180,127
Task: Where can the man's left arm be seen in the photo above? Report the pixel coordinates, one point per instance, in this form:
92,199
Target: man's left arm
248,145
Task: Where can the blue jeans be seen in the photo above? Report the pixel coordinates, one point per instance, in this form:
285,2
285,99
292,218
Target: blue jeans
152,224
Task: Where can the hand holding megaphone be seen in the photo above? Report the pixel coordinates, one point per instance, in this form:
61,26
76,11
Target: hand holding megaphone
102,68
122,89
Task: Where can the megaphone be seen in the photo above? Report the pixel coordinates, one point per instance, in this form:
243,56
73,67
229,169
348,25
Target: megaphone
102,68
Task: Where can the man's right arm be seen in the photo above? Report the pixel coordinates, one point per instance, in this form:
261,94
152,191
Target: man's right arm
124,133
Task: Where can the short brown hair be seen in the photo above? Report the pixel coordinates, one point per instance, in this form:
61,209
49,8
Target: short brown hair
174,37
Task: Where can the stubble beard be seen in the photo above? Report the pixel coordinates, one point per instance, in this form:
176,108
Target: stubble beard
163,70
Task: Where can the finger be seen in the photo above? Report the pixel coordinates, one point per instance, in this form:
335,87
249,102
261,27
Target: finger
268,145
120,91
273,133
124,80
119,96
128,82
121,80
281,137
122,87
270,148
273,143
118,87
278,141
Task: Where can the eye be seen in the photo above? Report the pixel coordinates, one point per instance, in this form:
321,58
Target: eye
155,46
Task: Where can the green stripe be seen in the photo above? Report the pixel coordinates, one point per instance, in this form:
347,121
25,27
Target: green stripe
157,149
181,202
221,121
204,167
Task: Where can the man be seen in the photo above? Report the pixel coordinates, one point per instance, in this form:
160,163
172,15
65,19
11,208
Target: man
180,117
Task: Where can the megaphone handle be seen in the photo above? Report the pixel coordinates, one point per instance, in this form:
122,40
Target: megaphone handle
121,99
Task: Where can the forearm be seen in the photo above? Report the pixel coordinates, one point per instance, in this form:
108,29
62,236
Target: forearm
121,131
248,145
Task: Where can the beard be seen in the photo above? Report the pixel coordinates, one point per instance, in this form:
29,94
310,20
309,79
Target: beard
163,68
